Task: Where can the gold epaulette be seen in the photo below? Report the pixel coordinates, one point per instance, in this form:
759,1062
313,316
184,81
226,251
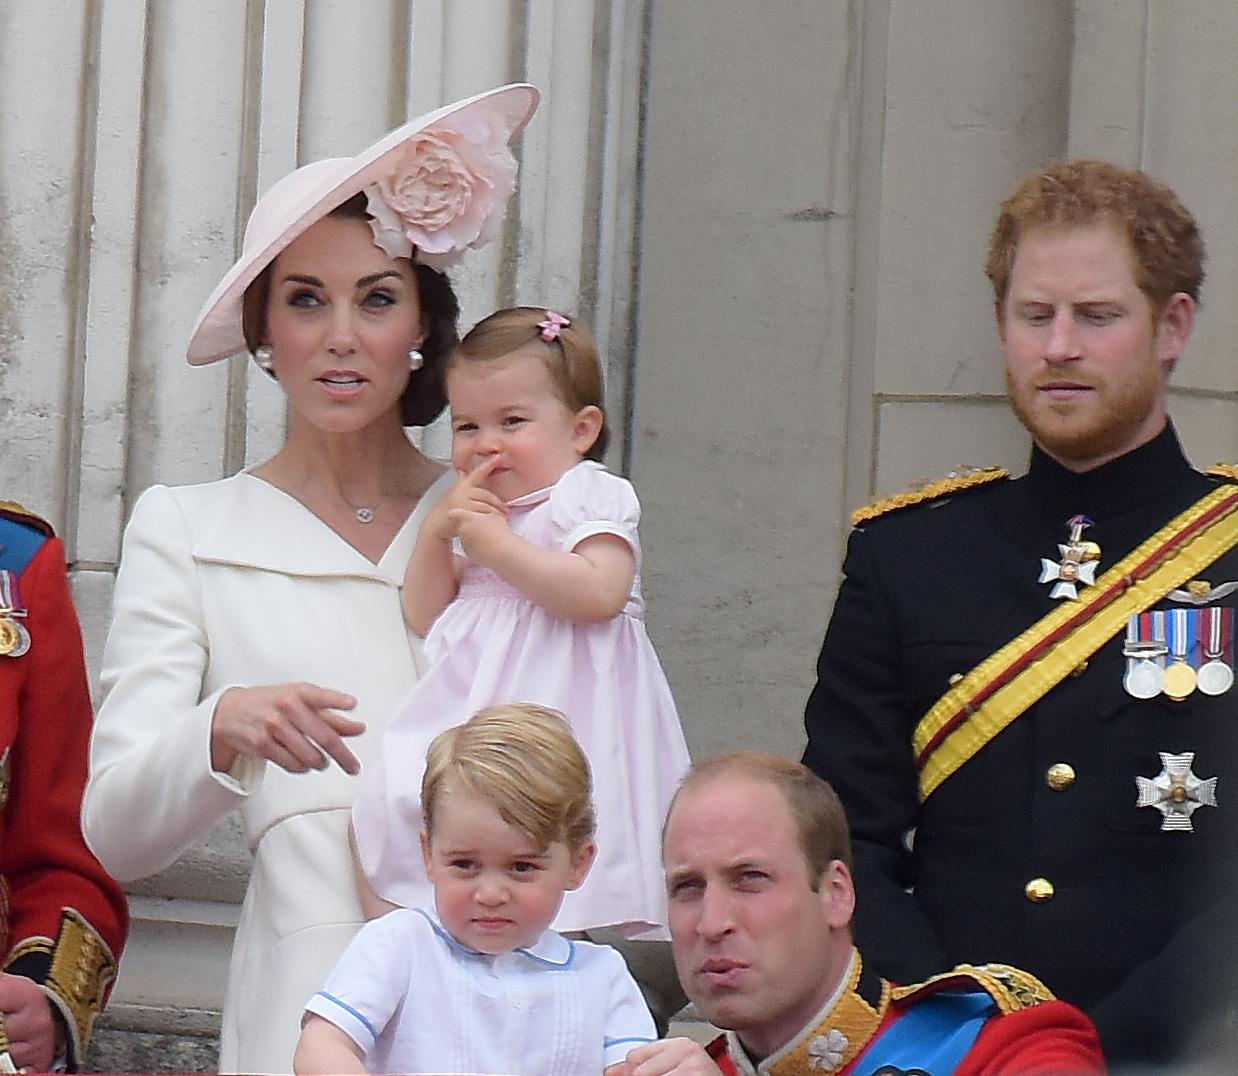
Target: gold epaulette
21,514
1227,472
956,481
1011,988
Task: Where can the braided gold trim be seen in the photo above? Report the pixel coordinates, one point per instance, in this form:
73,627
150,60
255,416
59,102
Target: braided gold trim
82,968
956,481
1011,988
37,944
852,1021
1227,471
963,720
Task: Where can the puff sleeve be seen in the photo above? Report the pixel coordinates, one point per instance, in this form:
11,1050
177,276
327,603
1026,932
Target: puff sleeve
588,500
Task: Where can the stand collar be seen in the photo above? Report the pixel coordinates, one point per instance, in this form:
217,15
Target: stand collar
1129,482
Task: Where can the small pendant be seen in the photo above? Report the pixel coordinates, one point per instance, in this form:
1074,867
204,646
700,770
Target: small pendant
364,515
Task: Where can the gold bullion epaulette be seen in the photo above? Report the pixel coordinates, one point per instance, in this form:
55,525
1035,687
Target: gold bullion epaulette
1011,988
958,480
1226,472
21,514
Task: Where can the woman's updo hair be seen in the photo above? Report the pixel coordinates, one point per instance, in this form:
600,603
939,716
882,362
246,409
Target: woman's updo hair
571,358
424,397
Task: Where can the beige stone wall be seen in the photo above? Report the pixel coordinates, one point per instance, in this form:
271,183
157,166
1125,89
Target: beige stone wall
773,214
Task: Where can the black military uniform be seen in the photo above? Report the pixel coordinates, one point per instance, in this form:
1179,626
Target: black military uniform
1035,853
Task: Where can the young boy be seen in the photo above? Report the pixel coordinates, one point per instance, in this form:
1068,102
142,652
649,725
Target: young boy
482,985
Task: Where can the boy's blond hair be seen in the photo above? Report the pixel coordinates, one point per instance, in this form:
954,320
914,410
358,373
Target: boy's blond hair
523,759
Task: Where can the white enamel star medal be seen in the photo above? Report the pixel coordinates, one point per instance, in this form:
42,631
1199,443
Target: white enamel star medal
1176,792
1078,565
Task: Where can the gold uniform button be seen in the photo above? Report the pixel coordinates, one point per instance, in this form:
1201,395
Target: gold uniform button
1060,776
1038,890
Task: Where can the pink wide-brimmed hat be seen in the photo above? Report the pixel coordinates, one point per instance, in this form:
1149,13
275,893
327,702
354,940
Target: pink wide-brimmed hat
436,186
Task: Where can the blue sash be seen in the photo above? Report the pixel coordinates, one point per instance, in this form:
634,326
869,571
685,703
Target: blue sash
932,1036
18,545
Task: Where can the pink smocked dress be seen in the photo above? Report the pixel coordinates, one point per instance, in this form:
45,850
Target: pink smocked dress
494,645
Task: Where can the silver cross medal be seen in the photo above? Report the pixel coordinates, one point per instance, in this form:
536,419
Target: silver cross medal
1176,792
1078,564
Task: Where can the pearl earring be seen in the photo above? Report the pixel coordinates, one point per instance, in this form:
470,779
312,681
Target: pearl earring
264,357
416,360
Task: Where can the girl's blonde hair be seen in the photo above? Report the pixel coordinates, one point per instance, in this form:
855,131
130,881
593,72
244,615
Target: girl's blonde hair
571,358
523,759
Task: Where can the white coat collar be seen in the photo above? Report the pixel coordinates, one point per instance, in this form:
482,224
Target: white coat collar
252,523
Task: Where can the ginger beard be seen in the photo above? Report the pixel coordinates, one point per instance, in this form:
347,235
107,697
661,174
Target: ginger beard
1087,357
1103,423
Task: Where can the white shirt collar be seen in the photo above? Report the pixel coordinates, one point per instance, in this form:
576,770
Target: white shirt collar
550,947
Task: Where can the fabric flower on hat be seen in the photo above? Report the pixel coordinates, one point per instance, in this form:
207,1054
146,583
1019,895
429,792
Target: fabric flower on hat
448,191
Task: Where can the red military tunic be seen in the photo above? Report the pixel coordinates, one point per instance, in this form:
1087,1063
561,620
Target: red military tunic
984,1021
63,920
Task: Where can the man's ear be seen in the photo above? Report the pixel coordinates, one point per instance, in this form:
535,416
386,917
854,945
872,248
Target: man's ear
1173,328
582,860
837,892
586,427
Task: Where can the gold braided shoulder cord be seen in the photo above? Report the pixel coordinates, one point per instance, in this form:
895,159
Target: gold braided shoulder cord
963,478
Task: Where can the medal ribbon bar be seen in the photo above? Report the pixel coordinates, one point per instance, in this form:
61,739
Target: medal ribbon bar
1010,680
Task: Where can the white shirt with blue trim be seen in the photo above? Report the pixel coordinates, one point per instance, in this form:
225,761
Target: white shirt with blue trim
416,1000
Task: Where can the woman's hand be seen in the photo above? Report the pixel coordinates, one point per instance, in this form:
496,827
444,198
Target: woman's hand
296,726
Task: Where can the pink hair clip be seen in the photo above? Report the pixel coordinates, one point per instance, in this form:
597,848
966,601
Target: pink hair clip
551,326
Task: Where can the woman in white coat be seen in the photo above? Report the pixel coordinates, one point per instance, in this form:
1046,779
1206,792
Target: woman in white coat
257,645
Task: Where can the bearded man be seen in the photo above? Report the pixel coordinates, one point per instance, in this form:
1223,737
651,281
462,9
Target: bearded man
1024,696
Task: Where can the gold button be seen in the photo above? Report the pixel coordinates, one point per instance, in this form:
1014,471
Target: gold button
1079,669
1039,890
954,678
1060,776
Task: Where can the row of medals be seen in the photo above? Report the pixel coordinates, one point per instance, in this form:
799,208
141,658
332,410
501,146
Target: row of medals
1158,664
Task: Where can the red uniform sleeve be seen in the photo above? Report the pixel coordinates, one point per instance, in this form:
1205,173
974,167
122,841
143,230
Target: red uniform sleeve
67,918
718,1053
1049,1039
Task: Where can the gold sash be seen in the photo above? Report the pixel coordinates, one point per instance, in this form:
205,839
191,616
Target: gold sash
1008,682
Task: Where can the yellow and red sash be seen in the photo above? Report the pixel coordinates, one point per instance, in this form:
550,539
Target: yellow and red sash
1008,682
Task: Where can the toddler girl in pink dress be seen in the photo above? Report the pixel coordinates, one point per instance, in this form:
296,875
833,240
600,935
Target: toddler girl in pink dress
525,581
